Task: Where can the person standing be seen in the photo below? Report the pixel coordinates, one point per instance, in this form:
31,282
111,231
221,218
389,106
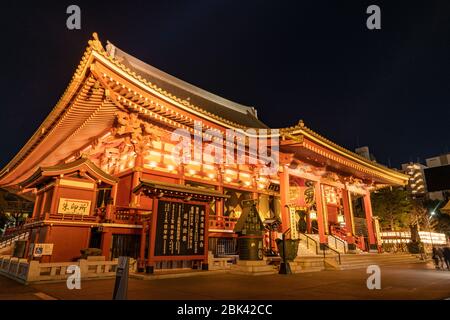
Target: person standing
435,258
440,255
446,252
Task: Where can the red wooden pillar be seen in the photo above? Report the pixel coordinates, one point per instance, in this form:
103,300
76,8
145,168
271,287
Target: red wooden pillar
137,175
114,194
181,179
106,244
220,204
36,214
142,247
320,212
284,198
308,223
44,199
54,200
206,238
369,220
347,202
151,235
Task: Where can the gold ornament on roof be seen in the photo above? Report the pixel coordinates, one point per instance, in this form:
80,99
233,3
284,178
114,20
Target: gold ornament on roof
95,43
139,131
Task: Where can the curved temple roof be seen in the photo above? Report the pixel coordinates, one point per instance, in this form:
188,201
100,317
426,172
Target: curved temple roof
208,101
81,164
84,111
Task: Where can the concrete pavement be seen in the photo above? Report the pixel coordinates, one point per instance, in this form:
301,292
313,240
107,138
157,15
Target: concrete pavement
414,281
12,290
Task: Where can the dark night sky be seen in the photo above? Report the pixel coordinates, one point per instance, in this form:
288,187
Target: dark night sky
316,61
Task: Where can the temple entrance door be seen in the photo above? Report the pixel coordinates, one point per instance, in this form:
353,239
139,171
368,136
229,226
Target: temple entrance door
96,239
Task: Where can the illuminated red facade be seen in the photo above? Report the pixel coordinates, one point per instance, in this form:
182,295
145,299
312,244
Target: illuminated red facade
102,161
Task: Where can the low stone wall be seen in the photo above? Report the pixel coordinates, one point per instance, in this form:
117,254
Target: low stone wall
220,263
33,271
14,268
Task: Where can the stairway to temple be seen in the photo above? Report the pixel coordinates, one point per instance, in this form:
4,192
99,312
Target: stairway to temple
253,268
337,243
7,245
363,260
334,242
307,247
311,263
314,263
310,259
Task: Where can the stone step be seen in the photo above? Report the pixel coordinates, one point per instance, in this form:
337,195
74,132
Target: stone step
265,273
379,260
358,257
365,265
253,268
311,263
311,269
362,261
308,259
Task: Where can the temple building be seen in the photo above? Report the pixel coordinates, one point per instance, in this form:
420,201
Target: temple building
102,171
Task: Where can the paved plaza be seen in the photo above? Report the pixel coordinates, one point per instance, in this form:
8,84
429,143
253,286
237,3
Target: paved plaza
414,281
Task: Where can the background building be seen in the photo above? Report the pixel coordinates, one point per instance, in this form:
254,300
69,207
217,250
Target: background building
431,180
416,183
438,161
438,177
365,153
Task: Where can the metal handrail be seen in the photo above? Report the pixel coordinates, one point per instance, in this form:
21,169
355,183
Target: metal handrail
335,251
336,239
327,246
307,242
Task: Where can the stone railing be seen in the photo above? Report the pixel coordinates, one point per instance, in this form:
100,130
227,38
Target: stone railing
9,241
220,263
14,268
34,271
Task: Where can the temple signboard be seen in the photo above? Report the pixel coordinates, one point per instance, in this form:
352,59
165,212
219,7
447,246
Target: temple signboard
180,229
74,206
293,222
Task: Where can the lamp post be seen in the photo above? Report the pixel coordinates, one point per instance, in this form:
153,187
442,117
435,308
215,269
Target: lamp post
429,228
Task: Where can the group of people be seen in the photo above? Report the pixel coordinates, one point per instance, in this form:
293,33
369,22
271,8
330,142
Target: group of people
441,257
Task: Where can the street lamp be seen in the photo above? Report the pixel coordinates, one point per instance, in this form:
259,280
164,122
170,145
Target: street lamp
429,228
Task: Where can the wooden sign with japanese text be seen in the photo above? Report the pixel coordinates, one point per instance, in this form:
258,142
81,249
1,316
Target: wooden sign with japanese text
181,229
74,206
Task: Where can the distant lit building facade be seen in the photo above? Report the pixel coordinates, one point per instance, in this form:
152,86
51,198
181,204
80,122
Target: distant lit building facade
435,162
416,183
365,153
438,161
